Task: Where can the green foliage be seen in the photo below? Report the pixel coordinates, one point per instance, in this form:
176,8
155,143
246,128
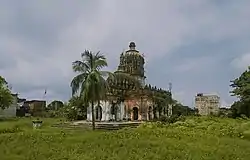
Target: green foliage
240,107
220,127
5,94
226,112
90,83
75,109
13,129
241,86
170,119
195,138
179,109
241,89
59,113
55,105
74,113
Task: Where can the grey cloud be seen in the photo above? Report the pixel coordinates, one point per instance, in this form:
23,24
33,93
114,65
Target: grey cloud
6,61
241,62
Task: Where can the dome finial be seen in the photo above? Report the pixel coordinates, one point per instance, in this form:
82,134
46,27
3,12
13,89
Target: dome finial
132,45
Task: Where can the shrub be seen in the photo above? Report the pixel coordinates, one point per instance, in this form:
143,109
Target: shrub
13,129
60,113
171,119
74,113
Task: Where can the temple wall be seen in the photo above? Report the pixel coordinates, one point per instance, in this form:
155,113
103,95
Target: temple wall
106,111
105,115
142,106
133,109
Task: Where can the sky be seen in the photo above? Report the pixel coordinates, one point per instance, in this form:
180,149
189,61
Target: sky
197,45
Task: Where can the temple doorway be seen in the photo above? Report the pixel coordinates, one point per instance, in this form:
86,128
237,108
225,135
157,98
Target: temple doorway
150,113
114,111
98,115
155,112
135,113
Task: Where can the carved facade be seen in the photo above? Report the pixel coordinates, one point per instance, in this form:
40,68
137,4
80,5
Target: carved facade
125,102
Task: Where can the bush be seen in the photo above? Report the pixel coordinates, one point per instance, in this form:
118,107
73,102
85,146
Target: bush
74,113
13,129
69,112
60,113
171,119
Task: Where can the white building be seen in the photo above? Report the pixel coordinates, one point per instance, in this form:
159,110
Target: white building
103,112
207,104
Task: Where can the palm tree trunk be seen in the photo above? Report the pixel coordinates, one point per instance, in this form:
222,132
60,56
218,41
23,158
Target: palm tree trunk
93,115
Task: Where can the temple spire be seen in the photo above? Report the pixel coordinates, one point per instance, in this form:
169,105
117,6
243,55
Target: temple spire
132,46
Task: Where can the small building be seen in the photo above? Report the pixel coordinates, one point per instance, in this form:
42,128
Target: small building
36,107
207,104
11,110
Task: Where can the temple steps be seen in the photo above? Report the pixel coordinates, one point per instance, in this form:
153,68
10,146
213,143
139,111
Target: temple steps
117,126
99,125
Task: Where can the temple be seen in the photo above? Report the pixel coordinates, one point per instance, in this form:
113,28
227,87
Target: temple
125,101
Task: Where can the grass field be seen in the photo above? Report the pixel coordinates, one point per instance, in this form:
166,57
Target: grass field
196,138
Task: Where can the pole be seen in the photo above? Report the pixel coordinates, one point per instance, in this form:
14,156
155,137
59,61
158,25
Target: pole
141,110
171,100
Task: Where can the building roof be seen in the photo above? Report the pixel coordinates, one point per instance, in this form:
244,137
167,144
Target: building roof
32,101
207,94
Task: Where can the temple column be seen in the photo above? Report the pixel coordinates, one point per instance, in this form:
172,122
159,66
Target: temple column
118,112
89,114
104,110
122,110
170,110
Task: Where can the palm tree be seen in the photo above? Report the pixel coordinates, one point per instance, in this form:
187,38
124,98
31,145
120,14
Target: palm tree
90,83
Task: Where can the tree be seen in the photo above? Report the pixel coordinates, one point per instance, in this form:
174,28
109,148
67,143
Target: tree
5,94
55,105
241,89
77,103
179,109
89,83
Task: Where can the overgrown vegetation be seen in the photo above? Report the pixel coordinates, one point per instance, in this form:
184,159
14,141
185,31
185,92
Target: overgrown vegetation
241,89
5,94
191,138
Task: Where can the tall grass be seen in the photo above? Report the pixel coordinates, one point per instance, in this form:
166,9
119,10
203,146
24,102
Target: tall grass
194,139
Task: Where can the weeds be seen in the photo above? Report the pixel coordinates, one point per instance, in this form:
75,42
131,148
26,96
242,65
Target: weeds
191,138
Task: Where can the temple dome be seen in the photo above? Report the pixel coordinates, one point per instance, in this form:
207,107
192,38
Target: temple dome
132,45
132,62
132,50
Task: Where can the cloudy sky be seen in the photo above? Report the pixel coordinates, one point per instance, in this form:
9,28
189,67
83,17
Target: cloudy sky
197,45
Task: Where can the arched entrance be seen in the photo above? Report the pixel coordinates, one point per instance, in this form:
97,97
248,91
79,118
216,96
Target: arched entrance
98,113
150,113
114,111
135,113
155,112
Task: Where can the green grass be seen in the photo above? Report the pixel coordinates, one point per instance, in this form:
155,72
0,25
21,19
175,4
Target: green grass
196,138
